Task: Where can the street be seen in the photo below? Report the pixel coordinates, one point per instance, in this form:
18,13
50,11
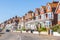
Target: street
26,36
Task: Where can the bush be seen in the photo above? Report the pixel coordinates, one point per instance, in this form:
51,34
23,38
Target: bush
41,29
56,28
23,28
17,29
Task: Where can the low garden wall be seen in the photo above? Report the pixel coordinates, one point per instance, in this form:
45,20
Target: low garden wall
56,34
36,32
44,33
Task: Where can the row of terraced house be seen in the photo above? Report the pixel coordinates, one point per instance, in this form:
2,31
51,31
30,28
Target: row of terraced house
45,16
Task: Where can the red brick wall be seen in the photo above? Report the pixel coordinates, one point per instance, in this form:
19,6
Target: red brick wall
29,15
58,22
55,20
58,11
47,8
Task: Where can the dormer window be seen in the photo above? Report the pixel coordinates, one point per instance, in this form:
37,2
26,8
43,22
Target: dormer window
48,7
42,9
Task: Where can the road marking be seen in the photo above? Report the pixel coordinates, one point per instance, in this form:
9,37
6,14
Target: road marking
19,37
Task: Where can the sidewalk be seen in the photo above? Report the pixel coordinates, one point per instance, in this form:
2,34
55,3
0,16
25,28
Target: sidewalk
36,32
48,37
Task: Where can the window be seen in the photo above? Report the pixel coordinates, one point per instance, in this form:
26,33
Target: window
48,23
50,15
46,15
36,17
42,10
58,17
42,16
48,7
53,9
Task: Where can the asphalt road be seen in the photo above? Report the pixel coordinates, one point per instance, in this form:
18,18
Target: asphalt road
26,36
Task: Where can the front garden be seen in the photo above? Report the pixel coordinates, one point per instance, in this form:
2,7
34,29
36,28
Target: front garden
56,28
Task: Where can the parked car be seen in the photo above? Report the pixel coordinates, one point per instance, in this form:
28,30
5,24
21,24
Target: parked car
7,30
32,31
0,30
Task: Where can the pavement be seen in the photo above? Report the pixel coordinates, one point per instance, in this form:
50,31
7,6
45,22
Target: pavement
26,36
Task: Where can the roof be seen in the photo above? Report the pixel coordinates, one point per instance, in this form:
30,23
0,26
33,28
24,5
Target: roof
54,4
37,9
44,7
30,11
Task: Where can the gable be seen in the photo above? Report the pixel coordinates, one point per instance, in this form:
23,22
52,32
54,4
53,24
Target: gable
41,10
58,9
48,8
37,11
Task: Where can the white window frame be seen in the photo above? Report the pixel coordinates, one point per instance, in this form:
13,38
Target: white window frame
43,16
50,15
48,23
36,17
58,17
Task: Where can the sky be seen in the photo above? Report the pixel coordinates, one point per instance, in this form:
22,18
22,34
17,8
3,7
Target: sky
11,8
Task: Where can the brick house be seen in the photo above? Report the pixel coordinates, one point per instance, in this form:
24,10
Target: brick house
57,13
46,16
29,24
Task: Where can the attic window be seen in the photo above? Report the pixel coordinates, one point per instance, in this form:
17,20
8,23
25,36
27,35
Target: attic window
48,7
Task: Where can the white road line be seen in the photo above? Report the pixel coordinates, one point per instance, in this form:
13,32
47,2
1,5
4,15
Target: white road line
19,37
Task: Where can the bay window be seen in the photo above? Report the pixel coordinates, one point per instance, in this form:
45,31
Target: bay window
48,23
49,15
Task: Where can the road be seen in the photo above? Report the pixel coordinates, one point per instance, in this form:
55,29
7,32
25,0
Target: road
26,36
